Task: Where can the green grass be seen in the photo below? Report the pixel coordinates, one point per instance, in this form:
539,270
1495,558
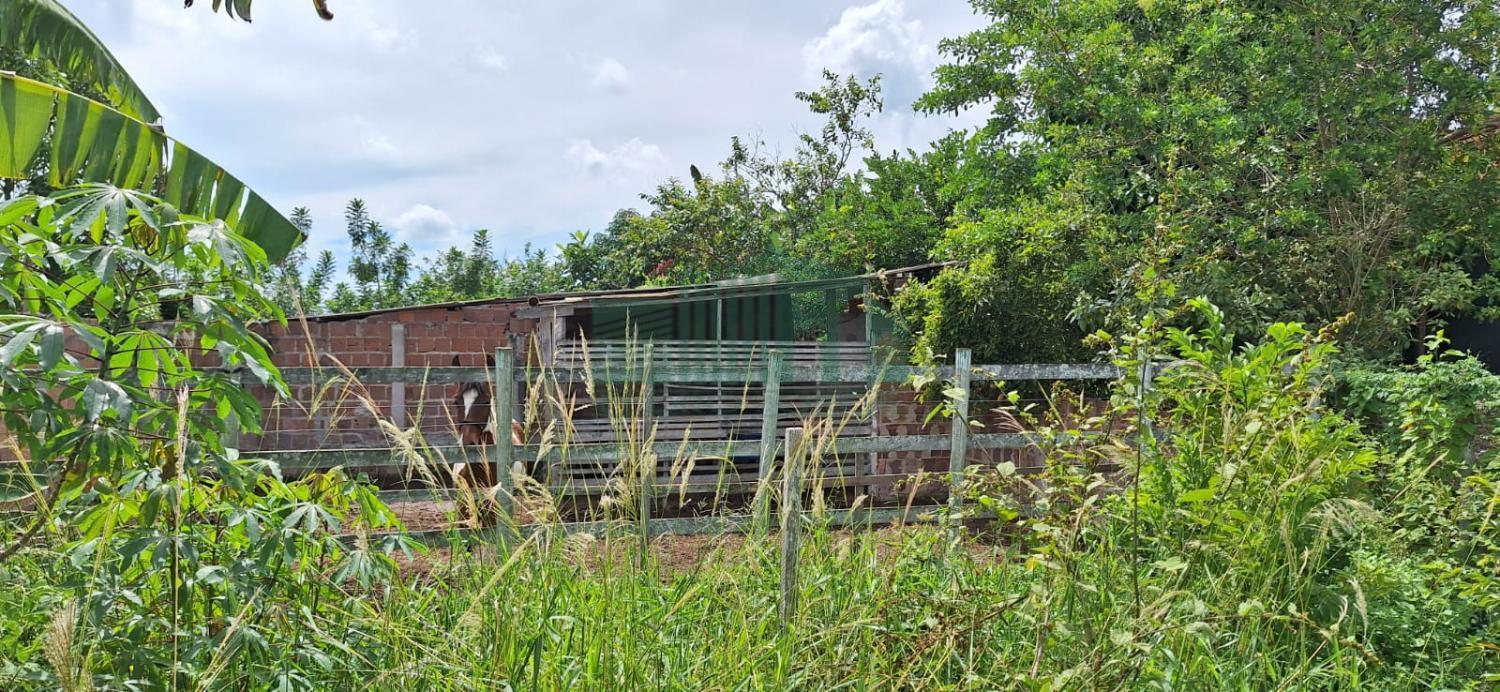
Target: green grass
878,610
1264,541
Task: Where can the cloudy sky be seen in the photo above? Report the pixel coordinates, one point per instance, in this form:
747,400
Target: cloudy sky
532,119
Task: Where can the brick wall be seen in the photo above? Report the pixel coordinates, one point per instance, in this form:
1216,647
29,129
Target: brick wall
332,417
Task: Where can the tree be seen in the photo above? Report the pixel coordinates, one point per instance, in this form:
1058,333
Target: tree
1291,162
533,272
479,266
318,281
763,214
380,268
796,186
458,275
286,283
894,212
36,180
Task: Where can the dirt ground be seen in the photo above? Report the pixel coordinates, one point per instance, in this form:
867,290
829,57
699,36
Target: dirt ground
424,516
674,554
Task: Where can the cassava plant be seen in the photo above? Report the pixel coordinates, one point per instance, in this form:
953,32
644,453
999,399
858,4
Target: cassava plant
171,551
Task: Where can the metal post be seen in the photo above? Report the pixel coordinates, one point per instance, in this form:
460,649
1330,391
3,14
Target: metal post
770,416
958,454
502,453
791,519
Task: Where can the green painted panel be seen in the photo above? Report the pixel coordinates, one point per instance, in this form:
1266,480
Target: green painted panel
747,318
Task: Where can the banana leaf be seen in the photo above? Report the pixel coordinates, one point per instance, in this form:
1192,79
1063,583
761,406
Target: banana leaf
45,29
92,142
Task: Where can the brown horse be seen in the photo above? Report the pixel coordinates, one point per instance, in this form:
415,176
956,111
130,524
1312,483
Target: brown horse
476,428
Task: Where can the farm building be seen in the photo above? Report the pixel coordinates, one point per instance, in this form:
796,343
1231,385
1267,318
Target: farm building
721,328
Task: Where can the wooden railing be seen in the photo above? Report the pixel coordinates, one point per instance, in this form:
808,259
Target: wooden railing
755,460
581,467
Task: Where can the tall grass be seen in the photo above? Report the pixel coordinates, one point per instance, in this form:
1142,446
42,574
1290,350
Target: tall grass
1245,547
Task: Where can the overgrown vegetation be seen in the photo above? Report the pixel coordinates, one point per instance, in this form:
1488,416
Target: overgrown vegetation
1271,512
159,546
1263,539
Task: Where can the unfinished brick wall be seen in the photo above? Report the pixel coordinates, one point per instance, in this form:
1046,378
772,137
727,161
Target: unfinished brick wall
333,417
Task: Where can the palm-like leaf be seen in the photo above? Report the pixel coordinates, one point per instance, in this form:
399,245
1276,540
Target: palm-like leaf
240,9
45,29
92,142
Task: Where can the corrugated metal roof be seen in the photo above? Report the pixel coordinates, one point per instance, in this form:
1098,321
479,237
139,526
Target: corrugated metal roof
759,285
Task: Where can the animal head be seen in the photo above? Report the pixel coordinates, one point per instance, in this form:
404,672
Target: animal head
471,413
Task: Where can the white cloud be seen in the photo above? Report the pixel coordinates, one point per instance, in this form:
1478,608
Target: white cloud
876,39
403,106
633,157
363,141
491,59
425,227
381,32
609,73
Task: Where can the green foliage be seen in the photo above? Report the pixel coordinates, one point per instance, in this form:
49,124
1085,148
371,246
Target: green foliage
1437,407
116,140
1254,534
159,553
457,275
1008,313
46,32
36,180
1291,163
715,229
805,216
1440,495
86,274
892,214
381,272
240,9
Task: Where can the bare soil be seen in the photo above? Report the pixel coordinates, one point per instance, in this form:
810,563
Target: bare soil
674,555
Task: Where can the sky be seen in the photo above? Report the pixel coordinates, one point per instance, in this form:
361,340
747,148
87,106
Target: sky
531,119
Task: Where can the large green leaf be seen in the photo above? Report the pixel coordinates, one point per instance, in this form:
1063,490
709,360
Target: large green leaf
240,9
45,29
25,109
92,142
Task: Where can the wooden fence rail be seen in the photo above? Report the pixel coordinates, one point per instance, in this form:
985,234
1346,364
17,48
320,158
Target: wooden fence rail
646,482
693,374
773,371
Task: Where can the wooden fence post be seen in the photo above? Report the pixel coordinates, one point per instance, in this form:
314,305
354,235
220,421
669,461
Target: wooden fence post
959,451
502,453
770,416
791,520
647,458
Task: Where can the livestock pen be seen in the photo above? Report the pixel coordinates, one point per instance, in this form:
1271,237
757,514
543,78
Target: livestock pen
626,451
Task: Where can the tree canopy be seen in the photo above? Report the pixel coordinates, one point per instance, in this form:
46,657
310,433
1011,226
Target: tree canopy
1290,163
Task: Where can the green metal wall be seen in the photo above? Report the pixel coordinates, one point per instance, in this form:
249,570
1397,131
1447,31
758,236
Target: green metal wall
766,317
